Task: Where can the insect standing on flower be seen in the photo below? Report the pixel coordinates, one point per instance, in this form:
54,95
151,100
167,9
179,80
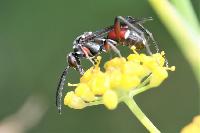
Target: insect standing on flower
126,31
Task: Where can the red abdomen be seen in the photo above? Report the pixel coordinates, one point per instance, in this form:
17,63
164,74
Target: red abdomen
112,35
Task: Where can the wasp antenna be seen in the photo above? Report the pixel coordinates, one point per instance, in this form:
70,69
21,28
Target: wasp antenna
143,20
148,19
140,21
60,89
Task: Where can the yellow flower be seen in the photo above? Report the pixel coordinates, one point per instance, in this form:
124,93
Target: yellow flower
158,75
129,82
110,99
89,74
134,58
73,101
116,63
115,77
85,92
99,83
193,127
119,80
131,68
159,58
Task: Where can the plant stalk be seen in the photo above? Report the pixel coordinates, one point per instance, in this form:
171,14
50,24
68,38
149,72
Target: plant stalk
140,115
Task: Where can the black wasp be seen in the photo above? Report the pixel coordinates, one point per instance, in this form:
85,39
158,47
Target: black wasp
126,31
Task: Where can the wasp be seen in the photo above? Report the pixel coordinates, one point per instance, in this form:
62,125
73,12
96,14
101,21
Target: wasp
126,31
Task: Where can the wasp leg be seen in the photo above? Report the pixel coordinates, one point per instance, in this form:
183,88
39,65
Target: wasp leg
112,44
80,69
107,44
117,28
87,53
111,55
148,34
91,60
134,20
146,31
137,30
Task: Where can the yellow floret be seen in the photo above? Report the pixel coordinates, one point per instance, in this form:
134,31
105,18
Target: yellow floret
73,101
110,99
131,68
152,61
193,127
99,83
134,57
84,92
159,74
160,58
115,63
89,74
129,82
115,78
148,61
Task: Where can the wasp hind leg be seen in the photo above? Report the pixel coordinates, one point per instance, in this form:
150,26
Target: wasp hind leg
147,33
136,29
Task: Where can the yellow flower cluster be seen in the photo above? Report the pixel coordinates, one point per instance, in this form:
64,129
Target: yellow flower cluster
121,77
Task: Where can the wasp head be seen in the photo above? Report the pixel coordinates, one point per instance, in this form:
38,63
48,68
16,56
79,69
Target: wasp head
74,61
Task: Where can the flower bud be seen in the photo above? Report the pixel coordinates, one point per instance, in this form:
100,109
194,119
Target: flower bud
99,83
84,92
129,82
73,101
110,99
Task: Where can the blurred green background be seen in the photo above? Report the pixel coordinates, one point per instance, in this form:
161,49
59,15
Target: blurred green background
36,35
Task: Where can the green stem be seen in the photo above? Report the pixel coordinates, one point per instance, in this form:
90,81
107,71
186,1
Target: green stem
140,115
94,103
188,39
186,10
139,90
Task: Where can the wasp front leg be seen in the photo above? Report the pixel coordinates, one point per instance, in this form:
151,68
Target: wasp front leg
87,54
